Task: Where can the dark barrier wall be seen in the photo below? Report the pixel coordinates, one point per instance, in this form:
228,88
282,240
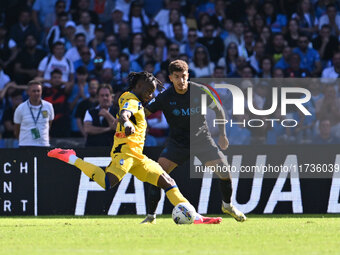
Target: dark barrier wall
33,184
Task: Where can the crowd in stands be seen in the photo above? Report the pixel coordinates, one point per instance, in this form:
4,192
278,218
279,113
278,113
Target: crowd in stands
72,46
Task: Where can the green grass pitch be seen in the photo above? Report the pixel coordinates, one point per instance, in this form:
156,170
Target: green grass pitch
285,234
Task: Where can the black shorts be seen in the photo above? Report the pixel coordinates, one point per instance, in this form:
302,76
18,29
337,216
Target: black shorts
204,148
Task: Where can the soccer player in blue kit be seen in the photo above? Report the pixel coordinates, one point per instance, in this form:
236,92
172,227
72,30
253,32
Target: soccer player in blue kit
172,101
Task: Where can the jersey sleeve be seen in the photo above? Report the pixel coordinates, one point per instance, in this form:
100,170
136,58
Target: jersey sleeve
155,104
17,119
42,64
131,105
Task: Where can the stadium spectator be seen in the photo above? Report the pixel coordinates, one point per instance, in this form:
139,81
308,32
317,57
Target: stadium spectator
8,50
99,122
275,47
98,72
41,10
219,13
151,32
7,119
305,15
147,56
161,47
56,61
227,28
103,9
326,44
310,58
136,46
294,70
201,64
276,21
240,64
98,44
333,71
332,18
33,118
4,79
79,92
278,73
325,135
259,24
137,18
229,61
85,59
55,17
162,17
70,32
111,65
73,54
266,66
112,26
189,47
174,19
28,60
58,95
56,32
283,62
84,6
265,35
179,36
120,79
292,34
22,28
251,11
173,54
109,39
85,105
214,45
86,27
246,50
236,36
124,35
328,107
124,6
255,59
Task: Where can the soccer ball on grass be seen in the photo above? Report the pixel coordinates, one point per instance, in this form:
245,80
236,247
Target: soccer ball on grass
183,213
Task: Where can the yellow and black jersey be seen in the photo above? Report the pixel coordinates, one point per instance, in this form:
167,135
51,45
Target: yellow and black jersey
132,144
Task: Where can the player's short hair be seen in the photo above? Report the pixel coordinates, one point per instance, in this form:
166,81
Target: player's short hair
34,82
105,86
178,66
134,77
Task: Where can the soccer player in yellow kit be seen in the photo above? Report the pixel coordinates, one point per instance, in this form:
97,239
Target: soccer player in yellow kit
127,151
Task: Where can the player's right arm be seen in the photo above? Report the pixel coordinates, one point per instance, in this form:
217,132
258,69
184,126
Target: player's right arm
124,120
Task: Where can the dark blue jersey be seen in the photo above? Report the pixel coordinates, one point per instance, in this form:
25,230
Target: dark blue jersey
182,114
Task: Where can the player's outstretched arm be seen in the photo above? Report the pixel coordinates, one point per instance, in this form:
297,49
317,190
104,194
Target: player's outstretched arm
223,141
124,120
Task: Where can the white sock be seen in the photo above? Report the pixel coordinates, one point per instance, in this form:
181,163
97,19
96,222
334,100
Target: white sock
226,204
152,215
198,216
72,159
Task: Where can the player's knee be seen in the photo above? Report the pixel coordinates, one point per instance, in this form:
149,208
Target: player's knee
165,181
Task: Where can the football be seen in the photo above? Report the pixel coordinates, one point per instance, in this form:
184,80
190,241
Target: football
183,213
